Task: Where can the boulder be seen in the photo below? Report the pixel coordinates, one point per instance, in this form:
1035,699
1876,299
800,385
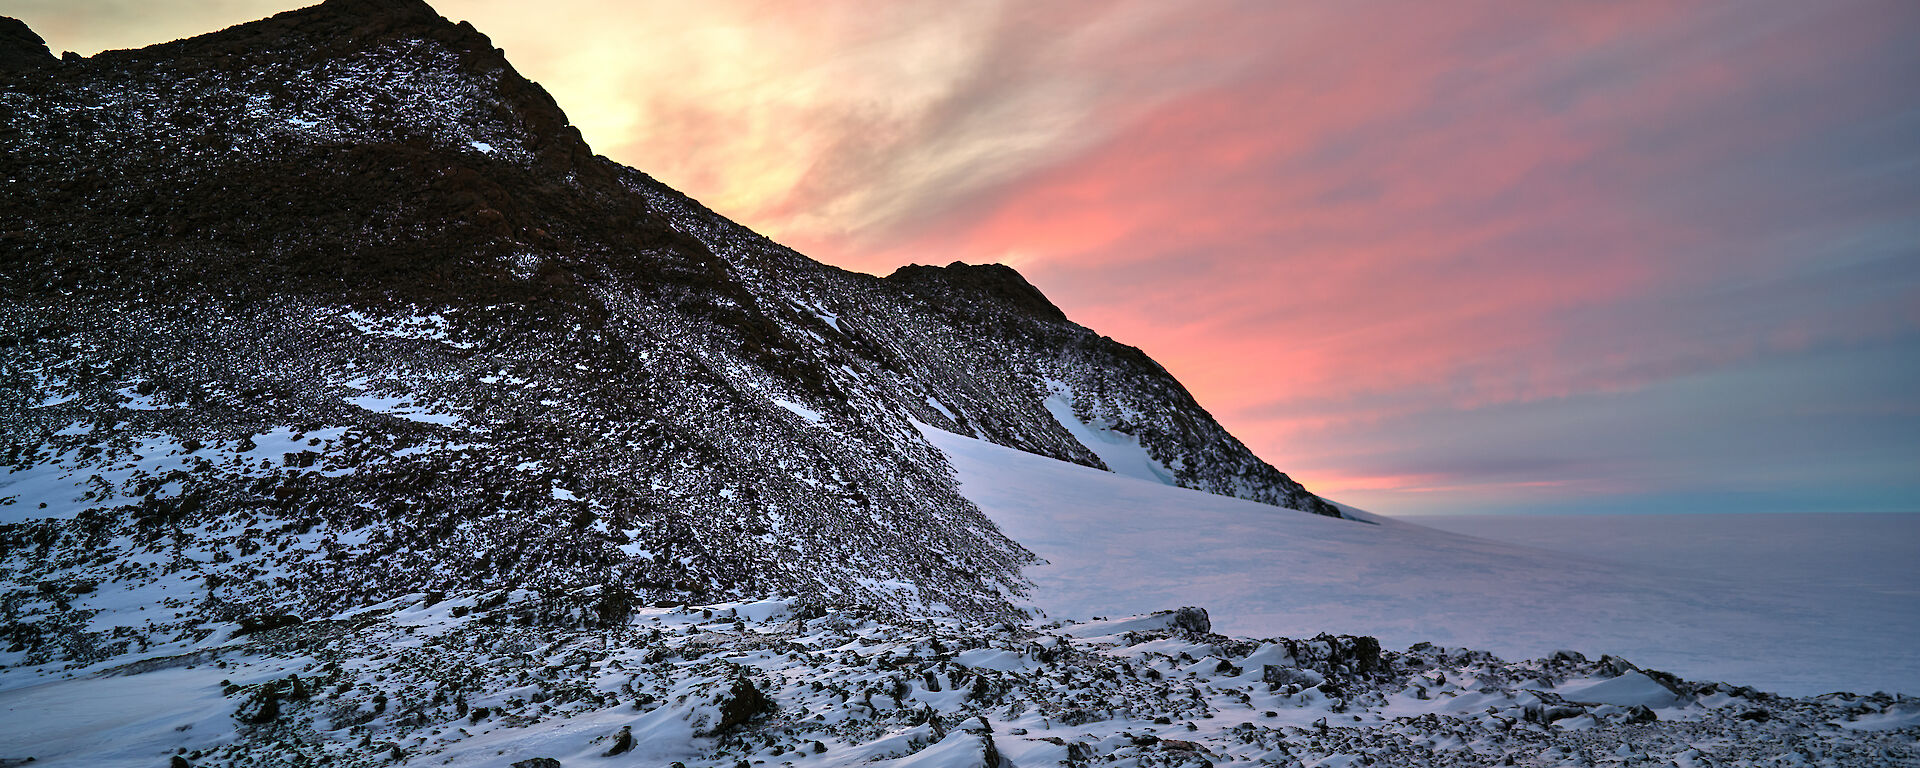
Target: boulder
622,743
740,702
1192,619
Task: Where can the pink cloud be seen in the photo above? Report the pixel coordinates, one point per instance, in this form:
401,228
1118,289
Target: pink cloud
1475,209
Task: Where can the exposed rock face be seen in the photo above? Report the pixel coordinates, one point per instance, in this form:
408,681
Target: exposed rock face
21,48
335,306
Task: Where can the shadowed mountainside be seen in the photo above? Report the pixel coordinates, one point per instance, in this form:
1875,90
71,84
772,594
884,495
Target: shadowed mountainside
335,306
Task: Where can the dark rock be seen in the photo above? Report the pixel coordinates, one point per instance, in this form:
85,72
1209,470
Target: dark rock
982,283
989,752
1074,717
262,707
1614,666
21,47
740,703
622,742
253,624
1192,619
537,762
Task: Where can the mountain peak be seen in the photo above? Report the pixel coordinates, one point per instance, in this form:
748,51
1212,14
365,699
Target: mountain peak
20,48
997,284
415,8
380,50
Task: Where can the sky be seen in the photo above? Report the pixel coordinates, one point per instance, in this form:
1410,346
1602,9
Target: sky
1425,257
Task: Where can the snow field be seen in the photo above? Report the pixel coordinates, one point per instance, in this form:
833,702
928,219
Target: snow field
1116,545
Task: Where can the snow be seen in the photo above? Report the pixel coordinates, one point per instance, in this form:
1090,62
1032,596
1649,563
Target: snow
63,484
403,407
57,486
114,720
812,416
1863,558
827,317
1121,452
1115,546
274,444
1108,628
993,658
959,749
1883,721
763,610
138,402
52,389
416,327
638,550
1630,689
935,404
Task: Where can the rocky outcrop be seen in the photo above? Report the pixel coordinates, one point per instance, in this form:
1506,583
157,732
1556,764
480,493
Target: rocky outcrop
21,48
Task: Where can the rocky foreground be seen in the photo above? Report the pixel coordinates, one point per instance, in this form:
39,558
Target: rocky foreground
427,681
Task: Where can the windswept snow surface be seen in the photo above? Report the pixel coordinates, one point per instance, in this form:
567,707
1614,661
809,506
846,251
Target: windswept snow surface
1115,545
1869,558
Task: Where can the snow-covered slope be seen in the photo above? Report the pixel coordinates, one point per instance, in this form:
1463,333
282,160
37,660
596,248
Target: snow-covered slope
1119,545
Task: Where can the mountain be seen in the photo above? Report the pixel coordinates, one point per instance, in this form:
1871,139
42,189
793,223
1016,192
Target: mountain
335,307
354,413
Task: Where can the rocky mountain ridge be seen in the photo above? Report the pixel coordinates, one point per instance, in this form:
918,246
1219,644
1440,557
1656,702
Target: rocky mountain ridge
335,306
